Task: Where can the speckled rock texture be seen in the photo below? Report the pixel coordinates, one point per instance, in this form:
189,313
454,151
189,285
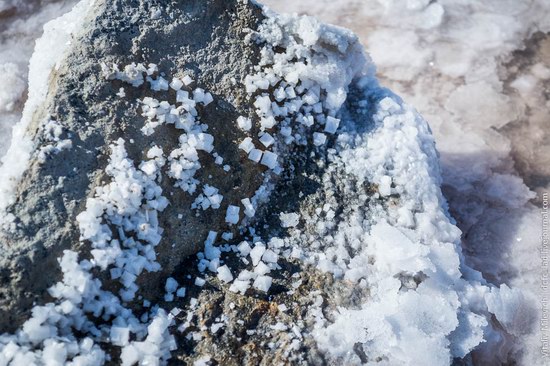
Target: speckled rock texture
202,38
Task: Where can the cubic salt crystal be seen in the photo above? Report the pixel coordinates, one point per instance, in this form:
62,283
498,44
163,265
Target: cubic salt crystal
176,84
262,269
182,96
240,286
215,200
148,167
208,98
268,122
269,159
249,210
198,95
257,252
331,124
263,283
232,214
181,292
384,188
159,84
119,335
244,123
247,145
200,281
319,138
270,256
267,140
244,248
255,155
171,285
224,274
286,131
289,219
187,80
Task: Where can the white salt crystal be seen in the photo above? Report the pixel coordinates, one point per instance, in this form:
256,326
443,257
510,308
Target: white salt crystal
249,210
159,84
224,274
267,140
331,124
208,98
270,256
286,131
262,269
200,281
215,327
182,96
232,214
244,248
289,219
384,188
279,326
176,84
244,123
319,138
269,159
257,253
240,286
247,145
198,95
181,292
255,155
119,336
203,361
187,80
268,122
263,283
171,285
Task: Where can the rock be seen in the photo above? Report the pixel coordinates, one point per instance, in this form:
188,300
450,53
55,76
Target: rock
202,38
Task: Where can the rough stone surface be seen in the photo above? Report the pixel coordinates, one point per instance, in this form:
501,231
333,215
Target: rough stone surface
201,37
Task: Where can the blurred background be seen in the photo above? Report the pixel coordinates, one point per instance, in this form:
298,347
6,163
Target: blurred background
479,72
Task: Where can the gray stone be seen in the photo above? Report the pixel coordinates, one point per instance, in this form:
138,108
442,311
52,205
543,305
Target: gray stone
205,37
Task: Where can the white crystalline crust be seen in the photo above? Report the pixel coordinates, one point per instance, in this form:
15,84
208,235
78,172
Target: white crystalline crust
49,51
129,203
446,314
52,132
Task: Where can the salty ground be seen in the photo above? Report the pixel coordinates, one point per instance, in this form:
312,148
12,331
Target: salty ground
478,70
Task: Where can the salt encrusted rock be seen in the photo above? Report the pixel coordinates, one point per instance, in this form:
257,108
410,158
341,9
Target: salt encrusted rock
352,256
204,40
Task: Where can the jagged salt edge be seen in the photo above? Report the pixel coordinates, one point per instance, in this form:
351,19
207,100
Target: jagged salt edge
48,53
461,291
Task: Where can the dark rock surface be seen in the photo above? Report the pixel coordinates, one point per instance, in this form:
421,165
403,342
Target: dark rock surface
203,38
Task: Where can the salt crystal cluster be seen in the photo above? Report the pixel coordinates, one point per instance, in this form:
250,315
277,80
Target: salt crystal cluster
54,144
130,203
